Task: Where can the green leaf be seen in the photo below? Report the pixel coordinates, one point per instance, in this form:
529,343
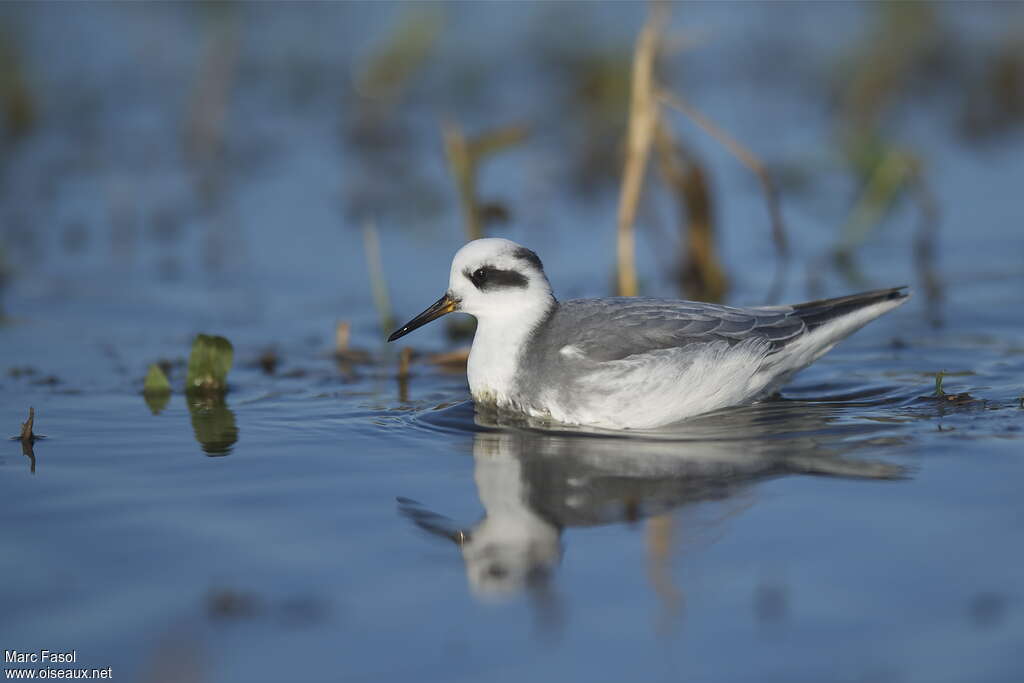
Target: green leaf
156,389
156,381
208,364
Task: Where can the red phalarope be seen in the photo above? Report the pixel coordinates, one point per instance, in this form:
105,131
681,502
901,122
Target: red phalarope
628,363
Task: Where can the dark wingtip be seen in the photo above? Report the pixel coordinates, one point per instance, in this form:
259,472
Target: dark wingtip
815,313
396,334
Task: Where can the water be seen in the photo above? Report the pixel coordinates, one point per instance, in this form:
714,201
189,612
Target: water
330,521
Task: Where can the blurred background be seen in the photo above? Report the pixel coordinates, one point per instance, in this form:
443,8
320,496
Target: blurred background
296,177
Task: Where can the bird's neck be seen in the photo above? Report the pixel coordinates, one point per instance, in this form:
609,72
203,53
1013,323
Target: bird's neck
497,349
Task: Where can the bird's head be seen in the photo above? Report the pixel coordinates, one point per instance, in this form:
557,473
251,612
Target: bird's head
490,278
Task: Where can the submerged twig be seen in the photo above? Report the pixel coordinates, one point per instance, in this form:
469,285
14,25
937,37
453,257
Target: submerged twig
643,117
748,159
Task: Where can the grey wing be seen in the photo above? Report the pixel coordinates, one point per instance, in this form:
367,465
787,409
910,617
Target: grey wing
614,328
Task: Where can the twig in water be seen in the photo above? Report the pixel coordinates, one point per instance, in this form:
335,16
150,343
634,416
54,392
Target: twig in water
747,158
341,336
404,358
27,435
702,275
643,117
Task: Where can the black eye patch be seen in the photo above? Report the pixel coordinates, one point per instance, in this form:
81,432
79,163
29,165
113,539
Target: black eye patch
489,278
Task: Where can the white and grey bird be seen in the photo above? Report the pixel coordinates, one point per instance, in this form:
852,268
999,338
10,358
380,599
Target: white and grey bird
628,363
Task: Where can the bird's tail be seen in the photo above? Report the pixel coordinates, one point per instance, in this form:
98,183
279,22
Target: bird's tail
828,321
815,314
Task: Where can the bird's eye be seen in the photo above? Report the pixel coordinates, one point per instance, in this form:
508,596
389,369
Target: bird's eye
479,275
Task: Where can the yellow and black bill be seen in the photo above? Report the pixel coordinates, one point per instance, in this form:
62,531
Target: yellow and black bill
444,305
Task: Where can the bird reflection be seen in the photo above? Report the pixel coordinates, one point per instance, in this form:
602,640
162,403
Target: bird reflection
534,483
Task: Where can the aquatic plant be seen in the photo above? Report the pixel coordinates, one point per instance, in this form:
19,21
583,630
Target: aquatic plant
208,364
156,381
703,276
156,389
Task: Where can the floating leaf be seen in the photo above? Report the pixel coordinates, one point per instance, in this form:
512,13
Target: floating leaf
156,381
208,364
156,389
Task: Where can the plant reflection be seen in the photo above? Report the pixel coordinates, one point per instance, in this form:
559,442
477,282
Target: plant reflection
28,450
213,422
533,484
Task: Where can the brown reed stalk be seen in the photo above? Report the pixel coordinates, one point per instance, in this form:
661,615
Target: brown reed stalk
643,117
702,275
748,159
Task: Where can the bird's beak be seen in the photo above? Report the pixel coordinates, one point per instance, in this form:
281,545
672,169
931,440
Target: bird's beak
444,305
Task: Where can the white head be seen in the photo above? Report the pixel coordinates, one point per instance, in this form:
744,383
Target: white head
491,278
495,277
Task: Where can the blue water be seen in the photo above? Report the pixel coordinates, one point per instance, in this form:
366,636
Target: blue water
330,521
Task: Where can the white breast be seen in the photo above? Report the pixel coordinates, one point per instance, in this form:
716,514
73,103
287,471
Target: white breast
494,360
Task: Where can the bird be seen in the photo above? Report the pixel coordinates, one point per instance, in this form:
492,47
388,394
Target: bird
628,362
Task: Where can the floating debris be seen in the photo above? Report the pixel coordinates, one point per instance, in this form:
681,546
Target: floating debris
268,361
343,353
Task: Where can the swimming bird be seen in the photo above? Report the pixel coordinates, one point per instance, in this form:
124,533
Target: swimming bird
628,362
